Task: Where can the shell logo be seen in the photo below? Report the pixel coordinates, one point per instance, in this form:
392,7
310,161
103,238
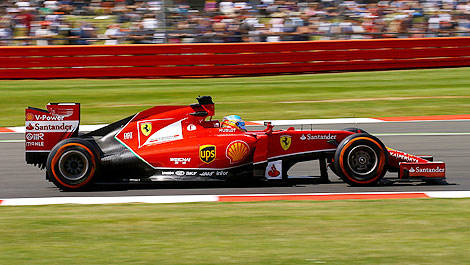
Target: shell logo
29,116
237,151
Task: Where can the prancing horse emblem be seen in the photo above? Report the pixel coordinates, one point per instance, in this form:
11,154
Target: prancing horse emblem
146,128
285,140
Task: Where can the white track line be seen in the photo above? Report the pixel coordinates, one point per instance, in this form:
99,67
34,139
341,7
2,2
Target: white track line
321,121
213,198
449,194
108,200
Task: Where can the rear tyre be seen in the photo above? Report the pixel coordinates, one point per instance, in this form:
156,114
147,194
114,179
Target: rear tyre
360,160
73,164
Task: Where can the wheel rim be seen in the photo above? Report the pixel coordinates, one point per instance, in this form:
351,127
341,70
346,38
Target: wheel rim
362,160
73,165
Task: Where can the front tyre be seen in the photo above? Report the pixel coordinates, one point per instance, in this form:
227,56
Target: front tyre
360,160
73,164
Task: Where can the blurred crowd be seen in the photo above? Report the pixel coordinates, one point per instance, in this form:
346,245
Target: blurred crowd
109,22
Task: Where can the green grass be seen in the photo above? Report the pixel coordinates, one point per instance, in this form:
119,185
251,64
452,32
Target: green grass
255,98
413,231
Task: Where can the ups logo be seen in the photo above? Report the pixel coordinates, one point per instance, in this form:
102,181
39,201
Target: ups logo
207,153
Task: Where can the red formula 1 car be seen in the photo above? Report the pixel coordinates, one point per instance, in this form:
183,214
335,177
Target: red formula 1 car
183,143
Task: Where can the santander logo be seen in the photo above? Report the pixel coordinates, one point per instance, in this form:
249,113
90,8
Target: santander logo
427,170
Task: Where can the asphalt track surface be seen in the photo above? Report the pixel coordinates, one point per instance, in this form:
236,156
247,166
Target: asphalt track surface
448,141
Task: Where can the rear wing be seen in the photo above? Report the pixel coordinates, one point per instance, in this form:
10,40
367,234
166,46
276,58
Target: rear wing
45,128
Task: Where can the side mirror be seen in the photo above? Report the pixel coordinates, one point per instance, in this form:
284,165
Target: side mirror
269,127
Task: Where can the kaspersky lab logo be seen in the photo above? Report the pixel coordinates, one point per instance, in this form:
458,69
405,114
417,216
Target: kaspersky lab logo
207,153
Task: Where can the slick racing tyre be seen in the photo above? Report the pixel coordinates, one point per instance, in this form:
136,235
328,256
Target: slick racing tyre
361,160
73,164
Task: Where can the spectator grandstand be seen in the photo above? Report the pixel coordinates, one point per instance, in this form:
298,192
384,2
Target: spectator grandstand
84,22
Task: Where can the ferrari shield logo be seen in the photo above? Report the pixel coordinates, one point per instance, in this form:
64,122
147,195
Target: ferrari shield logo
285,140
146,128
207,153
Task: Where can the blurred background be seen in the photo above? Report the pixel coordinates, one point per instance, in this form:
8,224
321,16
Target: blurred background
110,22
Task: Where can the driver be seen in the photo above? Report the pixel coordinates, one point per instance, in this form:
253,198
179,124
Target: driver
234,121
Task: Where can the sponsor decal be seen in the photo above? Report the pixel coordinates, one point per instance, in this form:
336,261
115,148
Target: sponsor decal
53,126
163,139
401,156
169,133
227,130
285,141
221,173
179,173
49,117
29,116
146,128
36,144
127,135
168,172
191,127
178,160
427,170
191,173
274,170
237,151
207,153
64,112
50,127
312,137
35,136
207,174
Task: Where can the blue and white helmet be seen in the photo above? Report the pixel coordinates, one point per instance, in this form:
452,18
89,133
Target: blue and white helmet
234,121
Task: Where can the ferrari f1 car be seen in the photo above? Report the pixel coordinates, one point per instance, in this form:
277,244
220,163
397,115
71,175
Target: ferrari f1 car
183,143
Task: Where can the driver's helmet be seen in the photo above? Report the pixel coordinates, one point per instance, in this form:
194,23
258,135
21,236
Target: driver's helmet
233,121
